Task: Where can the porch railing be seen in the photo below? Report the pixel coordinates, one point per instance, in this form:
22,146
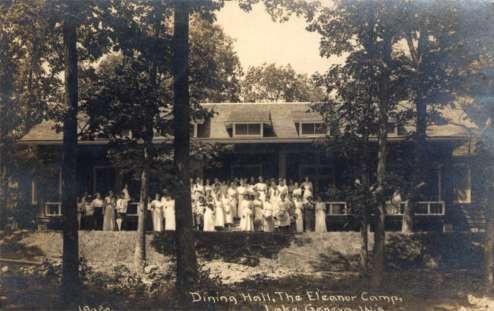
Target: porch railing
337,208
422,208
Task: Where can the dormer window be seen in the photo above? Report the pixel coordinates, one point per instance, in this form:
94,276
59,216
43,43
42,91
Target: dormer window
247,130
249,124
199,129
312,129
309,124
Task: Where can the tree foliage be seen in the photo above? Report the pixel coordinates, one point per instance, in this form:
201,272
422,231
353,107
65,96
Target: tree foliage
269,82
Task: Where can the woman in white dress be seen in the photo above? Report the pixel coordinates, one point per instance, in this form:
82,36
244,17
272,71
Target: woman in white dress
299,213
267,211
209,218
126,195
297,191
227,208
275,200
283,187
219,213
208,188
261,188
232,196
157,213
320,215
247,220
169,212
241,192
307,187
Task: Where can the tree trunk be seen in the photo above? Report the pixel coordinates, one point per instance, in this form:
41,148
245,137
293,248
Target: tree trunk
185,250
489,234
364,235
140,249
364,224
380,212
420,139
70,274
489,245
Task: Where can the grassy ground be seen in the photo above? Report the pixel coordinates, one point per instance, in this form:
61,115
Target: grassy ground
247,272
413,290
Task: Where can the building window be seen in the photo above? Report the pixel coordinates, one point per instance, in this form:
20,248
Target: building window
53,209
313,129
462,183
247,129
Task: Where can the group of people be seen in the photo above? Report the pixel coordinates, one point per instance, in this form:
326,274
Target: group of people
241,205
108,213
257,205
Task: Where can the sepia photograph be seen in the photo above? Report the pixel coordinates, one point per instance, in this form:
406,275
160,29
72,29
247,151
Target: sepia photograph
268,155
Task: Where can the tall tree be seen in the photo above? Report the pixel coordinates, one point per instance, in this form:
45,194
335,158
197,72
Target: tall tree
70,273
441,42
75,25
24,89
186,256
350,115
137,82
366,32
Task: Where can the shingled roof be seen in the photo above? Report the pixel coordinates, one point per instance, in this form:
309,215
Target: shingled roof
282,117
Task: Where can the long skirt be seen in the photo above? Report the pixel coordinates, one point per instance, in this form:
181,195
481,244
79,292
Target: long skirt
157,219
109,219
309,219
228,214
170,219
219,217
247,223
321,221
268,224
208,220
299,222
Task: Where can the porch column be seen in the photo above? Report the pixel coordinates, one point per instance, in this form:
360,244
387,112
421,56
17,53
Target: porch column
282,164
